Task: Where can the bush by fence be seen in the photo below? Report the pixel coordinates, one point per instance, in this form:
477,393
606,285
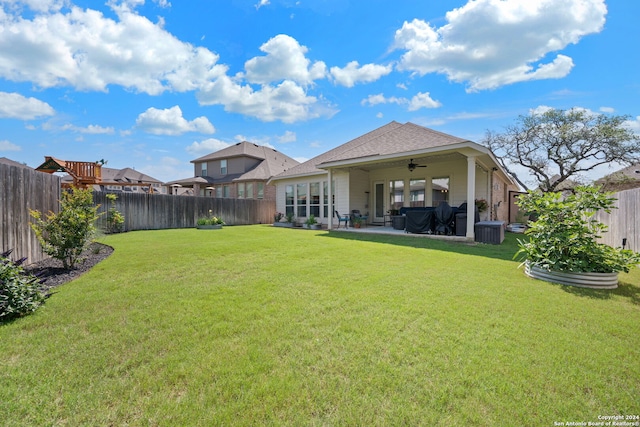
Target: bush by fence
158,211
21,189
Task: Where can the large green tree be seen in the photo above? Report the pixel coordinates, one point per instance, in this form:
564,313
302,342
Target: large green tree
558,147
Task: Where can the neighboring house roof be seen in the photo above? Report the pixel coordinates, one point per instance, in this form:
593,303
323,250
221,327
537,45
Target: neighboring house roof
127,175
273,163
391,141
624,179
124,176
9,162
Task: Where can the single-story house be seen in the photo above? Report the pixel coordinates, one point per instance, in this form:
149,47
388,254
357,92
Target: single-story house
395,166
126,180
239,171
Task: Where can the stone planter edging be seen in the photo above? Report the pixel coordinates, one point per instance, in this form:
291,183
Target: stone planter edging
583,280
283,224
209,227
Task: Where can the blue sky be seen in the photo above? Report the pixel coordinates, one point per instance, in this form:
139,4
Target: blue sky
154,84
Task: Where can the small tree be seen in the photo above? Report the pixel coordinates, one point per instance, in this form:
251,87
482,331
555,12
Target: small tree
558,146
115,220
65,235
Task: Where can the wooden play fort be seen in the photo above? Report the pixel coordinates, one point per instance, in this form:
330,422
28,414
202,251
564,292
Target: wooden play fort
84,174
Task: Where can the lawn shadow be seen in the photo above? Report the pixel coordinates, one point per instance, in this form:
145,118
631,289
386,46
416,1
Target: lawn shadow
624,289
504,251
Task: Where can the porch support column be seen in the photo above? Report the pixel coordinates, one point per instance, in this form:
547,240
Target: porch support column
471,196
331,208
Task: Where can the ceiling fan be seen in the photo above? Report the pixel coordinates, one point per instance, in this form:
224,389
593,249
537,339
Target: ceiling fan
412,166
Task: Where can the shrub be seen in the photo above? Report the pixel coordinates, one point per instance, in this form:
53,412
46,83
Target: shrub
65,235
564,235
210,220
115,220
20,292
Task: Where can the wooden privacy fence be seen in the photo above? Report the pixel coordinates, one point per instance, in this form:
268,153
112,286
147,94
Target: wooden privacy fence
624,221
21,189
158,211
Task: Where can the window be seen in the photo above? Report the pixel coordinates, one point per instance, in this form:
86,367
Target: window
261,190
301,191
241,190
204,169
416,192
218,192
314,199
288,199
440,190
223,167
226,191
249,193
396,194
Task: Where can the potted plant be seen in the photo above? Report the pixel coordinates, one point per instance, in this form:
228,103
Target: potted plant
356,221
562,245
277,220
209,222
288,217
312,223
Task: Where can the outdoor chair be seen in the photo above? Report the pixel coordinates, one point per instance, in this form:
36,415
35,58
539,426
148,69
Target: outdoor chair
363,218
342,218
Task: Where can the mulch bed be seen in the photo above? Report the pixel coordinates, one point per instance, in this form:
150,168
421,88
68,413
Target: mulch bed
51,269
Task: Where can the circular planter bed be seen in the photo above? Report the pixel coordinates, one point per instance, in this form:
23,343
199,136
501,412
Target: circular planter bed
583,280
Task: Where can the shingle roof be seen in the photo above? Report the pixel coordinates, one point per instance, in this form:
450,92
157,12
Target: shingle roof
243,148
392,138
126,175
9,162
274,162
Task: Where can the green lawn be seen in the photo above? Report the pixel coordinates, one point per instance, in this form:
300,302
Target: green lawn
256,325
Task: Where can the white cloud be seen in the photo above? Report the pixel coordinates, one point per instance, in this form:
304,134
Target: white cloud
489,43
91,129
262,3
207,146
609,110
16,106
421,100
381,99
285,60
287,137
353,73
634,125
170,122
287,102
84,49
8,146
36,5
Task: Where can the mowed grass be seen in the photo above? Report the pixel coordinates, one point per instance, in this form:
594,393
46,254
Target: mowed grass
256,325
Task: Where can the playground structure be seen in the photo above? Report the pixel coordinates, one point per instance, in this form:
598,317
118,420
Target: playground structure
84,174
